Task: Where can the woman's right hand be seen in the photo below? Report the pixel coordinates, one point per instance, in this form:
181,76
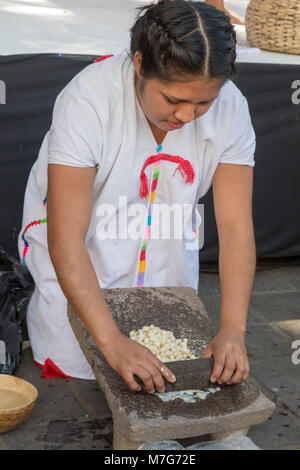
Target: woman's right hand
127,357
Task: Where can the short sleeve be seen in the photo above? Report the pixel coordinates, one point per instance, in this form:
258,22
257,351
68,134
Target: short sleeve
75,136
241,140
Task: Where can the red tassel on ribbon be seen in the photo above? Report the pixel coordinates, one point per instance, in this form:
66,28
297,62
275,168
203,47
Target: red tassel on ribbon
184,166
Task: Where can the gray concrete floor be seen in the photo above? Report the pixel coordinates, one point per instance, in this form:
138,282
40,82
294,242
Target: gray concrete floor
73,413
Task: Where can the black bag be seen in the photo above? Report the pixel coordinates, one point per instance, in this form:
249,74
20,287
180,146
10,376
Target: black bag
16,287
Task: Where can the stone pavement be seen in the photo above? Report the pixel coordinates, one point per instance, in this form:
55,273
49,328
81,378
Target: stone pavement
73,414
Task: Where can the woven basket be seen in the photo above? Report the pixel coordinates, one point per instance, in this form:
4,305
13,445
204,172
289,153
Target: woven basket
274,25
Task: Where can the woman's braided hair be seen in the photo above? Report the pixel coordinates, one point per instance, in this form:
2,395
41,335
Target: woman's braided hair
184,38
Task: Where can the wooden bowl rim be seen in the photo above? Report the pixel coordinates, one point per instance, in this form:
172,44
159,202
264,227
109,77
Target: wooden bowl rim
28,385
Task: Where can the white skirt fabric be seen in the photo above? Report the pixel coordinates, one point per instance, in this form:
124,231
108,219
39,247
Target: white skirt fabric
50,333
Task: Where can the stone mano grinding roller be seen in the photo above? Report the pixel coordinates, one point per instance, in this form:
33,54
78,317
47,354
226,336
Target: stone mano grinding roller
191,374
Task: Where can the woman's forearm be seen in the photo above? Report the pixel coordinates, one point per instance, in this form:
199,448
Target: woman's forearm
79,283
234,17
237,264
216,3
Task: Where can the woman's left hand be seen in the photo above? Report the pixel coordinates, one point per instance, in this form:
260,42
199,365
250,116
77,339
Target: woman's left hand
231,364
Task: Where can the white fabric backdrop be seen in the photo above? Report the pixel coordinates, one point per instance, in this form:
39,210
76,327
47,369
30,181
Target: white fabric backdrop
88,27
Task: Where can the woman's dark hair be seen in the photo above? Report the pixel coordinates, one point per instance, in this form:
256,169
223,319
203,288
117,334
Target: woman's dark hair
184,38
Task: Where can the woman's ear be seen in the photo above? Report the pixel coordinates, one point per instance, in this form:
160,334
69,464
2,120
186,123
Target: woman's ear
137,60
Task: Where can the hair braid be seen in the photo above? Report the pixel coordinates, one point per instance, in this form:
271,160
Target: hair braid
233,52
159,32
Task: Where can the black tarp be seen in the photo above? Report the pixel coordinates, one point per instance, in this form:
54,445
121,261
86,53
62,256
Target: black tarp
33,81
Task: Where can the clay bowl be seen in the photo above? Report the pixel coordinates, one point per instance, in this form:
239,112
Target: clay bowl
17,399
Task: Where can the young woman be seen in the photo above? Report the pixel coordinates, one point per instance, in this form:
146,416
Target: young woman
121,129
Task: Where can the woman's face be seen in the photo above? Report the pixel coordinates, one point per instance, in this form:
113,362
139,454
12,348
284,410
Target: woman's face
171,105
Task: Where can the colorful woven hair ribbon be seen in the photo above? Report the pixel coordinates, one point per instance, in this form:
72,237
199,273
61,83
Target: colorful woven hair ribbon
184,166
